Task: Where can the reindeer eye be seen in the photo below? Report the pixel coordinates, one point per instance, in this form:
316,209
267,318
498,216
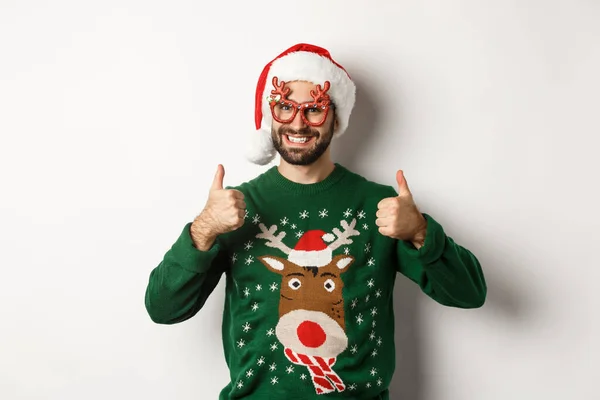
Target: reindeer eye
329,285
295,283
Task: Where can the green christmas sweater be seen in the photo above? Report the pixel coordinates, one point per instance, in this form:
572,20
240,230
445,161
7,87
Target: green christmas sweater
308,310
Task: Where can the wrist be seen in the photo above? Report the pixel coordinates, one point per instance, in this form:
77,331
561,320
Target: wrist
418,239
202,236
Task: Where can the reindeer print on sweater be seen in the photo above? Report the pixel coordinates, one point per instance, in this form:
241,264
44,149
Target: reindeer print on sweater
311,323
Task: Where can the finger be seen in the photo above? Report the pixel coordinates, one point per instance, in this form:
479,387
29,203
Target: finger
403,189
386,203
386,221
237,194
240,205
218,180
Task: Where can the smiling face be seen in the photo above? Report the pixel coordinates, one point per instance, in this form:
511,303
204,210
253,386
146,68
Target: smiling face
297,142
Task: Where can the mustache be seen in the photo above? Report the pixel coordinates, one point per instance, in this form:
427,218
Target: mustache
306,131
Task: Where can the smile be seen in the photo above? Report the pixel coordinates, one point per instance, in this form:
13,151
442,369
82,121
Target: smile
298,140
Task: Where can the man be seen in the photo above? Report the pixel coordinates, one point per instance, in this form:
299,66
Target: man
309,250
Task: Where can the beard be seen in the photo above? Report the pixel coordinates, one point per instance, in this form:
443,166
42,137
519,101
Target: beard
299,156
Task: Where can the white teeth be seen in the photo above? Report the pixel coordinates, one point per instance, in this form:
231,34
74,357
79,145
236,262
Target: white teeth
297,139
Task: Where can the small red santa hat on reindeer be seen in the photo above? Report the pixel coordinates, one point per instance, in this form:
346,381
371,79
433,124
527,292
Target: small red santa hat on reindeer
301,62
312,249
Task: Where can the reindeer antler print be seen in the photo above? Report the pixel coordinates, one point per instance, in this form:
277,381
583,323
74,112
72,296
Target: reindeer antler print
344,237
272,240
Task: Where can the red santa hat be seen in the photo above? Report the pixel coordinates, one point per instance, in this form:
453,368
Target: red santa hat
304,62
311,250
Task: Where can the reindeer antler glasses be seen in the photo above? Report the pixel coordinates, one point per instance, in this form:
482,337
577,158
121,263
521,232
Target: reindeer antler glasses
313,113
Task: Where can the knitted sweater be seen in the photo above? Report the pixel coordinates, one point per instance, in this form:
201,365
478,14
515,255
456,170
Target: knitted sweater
308,308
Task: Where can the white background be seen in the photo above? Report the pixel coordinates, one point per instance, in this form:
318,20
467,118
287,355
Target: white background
115,114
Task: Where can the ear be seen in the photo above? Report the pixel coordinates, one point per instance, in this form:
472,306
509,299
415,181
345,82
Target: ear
274,263
342,261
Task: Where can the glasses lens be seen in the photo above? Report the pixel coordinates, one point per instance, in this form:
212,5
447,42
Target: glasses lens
283,112
315,115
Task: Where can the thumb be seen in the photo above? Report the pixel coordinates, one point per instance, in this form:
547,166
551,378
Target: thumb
403,189
218,181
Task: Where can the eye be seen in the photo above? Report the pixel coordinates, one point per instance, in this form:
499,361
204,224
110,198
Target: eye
329,285
313,110
295,283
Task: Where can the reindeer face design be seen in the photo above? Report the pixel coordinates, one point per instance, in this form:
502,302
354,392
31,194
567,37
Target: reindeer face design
311,306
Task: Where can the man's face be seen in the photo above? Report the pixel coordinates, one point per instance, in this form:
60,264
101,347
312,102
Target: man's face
299,143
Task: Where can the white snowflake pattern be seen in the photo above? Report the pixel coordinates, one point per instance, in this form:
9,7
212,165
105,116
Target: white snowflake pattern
246,292
368,298
379,341
354,303
374,353
273,287
361,214
234,258
284,221
256,219
347,213
371,262
303,377
274,347
371,283
378,293
241,343
368,248
368,385
248,245
293,226
271,332
249,260
240,384
346,251
258,287
365,227
249,373
289,369
272,367
372,335
323,213
255,306
359,319
374,311
352,386
373,371
299,234
374,323
274,380
354,349
304,214
246,214
260,361
379,382
246,327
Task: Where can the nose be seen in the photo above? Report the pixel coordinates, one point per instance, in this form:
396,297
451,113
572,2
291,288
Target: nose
311,334
298,123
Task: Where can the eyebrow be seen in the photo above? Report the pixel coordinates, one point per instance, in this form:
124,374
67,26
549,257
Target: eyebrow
328,274
295,274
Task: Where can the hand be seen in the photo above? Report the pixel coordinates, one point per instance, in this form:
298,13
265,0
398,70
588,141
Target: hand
399,218
224,212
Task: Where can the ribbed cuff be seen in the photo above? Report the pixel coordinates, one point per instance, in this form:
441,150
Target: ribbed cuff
433,247
189,257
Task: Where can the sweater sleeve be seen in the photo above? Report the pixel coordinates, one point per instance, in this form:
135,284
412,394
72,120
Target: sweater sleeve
181,283
445,271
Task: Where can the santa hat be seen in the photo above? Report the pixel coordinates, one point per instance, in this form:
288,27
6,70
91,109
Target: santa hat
304,62
311,250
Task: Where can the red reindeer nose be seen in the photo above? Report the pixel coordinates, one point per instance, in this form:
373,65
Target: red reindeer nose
311,334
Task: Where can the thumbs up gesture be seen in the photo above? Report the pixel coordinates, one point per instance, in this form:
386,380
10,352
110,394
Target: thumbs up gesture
399,218
224,212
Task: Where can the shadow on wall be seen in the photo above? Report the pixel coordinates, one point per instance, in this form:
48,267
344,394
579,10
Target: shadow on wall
407,382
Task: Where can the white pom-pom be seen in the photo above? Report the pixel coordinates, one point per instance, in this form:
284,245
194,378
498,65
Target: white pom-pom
259,147
328,237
